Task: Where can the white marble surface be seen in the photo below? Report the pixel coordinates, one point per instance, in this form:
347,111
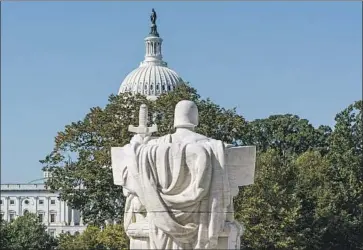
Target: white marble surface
180,187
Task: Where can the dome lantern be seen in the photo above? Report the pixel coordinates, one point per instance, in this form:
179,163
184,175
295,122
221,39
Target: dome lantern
153,55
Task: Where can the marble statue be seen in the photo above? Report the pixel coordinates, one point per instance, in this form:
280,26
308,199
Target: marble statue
154,29
153,16
179,187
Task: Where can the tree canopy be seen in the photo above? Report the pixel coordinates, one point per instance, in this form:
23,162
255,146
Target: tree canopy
343,205
26,232
306,198
112,237
288,134
308,186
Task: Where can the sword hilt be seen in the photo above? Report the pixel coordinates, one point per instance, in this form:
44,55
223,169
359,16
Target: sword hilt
143,115
143,129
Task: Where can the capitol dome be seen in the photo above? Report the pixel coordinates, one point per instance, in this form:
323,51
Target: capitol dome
153,77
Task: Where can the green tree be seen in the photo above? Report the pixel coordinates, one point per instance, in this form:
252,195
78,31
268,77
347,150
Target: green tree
112,237
342,207
4,234
288,134
86,240
80,162
26,232
270,207
68,241
312,185
281,209
310,199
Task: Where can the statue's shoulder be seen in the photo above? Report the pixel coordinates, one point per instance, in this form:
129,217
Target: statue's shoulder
204,140
184,138
200,137
160,140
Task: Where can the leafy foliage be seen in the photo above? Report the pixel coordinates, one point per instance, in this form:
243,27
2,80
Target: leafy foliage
288,134
312,185
112,237
26,232
86,180
270,208
86,240
306,196
343,205
4,233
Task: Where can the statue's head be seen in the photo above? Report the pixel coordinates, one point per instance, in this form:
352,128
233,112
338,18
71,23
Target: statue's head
186,115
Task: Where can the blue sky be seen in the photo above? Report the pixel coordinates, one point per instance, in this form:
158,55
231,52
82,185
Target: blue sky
59,59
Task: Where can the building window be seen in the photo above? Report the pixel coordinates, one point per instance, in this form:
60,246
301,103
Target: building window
41,202
41,217
26,202
12,202
52,232
1,202
52,202
25,212
52,217
11,216
2,216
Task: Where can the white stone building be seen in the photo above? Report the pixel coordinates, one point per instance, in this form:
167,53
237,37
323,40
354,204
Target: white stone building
33,197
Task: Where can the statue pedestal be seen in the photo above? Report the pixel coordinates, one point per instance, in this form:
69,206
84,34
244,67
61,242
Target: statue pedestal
229,238
139,235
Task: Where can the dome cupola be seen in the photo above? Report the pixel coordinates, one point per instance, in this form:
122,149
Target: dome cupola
153,77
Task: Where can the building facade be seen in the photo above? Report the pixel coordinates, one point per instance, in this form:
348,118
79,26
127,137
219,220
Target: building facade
18,199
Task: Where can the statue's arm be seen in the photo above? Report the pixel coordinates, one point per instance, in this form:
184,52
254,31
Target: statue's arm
138,140
227,145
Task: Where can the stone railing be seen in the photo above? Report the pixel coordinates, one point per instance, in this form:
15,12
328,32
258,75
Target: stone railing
11,187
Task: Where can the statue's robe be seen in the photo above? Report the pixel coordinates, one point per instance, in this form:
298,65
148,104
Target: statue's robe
183,187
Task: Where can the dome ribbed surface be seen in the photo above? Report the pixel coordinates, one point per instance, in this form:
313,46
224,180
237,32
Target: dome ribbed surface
150,80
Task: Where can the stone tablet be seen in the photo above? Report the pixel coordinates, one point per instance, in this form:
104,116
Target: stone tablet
240,162
117,160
